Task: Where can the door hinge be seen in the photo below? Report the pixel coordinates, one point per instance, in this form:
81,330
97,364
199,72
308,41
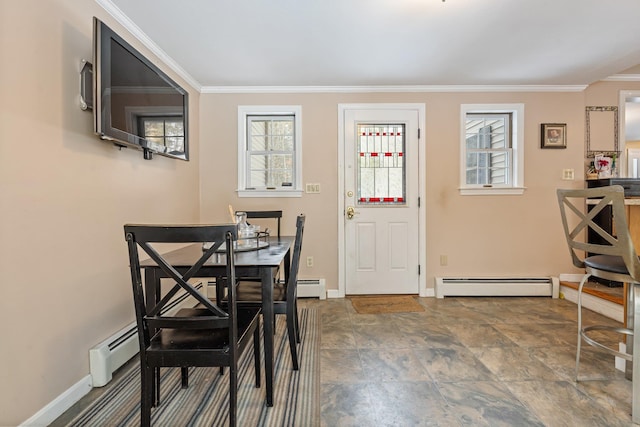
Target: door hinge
418,133
418,201
418,269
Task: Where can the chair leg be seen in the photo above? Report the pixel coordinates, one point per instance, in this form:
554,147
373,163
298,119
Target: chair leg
291,332
582,283
185,377
233,392
256,353
146,393
297,321
155,392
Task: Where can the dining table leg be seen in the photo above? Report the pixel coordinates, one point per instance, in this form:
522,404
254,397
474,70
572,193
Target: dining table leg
152,297
266,277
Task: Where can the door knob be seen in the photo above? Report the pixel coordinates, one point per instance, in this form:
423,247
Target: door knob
351,211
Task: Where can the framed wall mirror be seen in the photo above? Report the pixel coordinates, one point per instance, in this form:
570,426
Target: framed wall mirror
629,112
602,131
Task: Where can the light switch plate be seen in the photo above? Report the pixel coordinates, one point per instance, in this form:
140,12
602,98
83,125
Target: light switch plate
568,174
312,188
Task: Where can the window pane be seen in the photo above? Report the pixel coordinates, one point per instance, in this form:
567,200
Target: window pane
164,134
271,170
175,144
472,141
271,151
174,128
381,167
155,140
153,128
488,144
487,168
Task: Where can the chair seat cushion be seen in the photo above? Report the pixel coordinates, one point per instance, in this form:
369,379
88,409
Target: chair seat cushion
190,339
183,339
613,264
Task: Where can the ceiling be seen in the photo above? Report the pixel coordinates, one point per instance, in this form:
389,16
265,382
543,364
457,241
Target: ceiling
378,43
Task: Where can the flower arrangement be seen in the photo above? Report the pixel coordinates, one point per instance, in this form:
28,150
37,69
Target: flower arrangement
603,165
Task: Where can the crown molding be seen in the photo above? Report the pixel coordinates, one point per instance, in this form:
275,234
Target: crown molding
623,78
130,26
399,88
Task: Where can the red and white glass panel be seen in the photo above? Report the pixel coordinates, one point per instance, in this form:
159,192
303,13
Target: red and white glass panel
381,165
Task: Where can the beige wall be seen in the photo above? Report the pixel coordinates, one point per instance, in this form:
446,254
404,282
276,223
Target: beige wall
65,196
481,235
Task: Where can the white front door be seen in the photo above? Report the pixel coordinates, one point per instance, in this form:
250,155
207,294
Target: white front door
381,200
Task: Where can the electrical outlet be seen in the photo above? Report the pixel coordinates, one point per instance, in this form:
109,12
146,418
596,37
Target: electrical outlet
444,260
309,261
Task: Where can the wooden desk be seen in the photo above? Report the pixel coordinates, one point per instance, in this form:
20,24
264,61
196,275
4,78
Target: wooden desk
261,263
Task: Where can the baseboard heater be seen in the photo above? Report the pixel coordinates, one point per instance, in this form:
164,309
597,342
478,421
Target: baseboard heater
309,288
508,286
115,351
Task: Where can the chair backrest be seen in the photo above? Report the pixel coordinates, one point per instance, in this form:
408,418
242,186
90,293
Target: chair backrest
151,317
292,280
579,209
277,215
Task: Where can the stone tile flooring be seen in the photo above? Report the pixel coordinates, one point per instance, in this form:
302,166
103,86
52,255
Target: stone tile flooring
466,361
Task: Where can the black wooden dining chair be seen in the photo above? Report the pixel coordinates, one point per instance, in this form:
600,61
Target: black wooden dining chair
285,295
277,215
205,335
259,215
263,215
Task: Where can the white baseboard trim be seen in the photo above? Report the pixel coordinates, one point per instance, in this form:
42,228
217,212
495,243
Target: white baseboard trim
428,292
606,308
60,404
334,293
577,278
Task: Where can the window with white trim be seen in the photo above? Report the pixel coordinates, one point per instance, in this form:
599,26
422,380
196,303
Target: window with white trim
492,154
269,151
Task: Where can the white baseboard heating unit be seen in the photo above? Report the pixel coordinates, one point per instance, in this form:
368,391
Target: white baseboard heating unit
309,288
115,351
512,286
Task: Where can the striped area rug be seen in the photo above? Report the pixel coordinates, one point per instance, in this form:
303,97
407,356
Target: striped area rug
206,401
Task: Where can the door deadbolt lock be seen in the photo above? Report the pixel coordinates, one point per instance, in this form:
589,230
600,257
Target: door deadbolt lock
351,211
349,193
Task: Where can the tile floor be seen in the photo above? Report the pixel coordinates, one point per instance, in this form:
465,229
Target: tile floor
465,361
462,362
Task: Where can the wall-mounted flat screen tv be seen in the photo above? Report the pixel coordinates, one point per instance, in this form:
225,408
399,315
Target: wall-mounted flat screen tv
135,103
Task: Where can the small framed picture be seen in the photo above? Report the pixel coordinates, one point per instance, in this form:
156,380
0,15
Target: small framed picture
553,135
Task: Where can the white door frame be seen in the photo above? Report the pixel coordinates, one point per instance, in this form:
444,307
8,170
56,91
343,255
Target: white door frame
422,244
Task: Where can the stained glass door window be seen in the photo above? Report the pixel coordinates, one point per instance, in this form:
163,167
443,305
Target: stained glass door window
381,171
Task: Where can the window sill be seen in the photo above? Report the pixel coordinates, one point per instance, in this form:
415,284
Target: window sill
493,191
269,193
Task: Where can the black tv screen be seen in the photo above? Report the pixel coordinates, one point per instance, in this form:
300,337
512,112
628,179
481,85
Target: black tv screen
135,103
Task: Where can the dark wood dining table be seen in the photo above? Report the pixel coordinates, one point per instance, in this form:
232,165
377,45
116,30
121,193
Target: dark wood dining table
261,263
